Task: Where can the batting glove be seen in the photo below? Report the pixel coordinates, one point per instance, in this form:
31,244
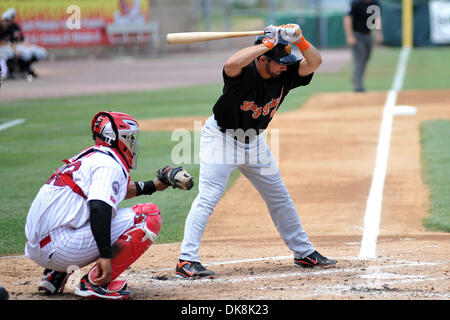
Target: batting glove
291,32
271,34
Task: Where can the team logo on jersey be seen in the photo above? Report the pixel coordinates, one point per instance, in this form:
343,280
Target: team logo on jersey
257,111
115,187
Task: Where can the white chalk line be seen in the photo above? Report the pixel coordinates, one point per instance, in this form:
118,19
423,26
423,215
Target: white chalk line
370,272
374,201
378,285
11,124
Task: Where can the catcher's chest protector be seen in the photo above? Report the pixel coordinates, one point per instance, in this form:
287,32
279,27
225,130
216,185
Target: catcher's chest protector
136,240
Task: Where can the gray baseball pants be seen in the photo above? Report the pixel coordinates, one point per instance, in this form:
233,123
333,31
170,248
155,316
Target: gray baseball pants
256,163
361,54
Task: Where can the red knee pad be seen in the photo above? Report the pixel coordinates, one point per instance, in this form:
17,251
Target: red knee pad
136,240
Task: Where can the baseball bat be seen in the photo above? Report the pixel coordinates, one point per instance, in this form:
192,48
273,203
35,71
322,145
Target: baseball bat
189,37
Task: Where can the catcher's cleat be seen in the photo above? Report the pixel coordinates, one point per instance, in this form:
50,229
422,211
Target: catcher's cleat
115,290
315,260
53,281
193,270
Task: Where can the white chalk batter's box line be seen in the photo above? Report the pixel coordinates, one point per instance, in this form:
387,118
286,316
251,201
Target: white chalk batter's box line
375,282
366,272
374,278
373,275
290,257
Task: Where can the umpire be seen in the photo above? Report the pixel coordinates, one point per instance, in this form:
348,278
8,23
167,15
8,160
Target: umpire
358,24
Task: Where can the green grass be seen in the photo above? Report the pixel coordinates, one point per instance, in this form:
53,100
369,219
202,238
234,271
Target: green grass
427,69
379,76
435,137
60,127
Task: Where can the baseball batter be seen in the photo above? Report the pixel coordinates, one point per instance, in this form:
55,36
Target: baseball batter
256,81
75,221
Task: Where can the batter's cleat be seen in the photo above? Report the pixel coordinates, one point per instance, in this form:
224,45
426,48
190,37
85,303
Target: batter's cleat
192,270
315,260
53,281
115,290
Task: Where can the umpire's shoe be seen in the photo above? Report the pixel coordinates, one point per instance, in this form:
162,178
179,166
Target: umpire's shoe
315,260
53,281
192,270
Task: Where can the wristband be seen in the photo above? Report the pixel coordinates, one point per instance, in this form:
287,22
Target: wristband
270,42
147,187
302,44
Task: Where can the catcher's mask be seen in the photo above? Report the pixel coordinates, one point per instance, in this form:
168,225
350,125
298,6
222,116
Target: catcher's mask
281,53
120,131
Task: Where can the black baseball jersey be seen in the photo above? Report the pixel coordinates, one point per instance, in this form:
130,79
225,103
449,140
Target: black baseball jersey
249,102
4,35
15,33
358,11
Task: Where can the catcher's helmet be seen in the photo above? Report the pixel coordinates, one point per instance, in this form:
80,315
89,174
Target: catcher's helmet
281,53
117,130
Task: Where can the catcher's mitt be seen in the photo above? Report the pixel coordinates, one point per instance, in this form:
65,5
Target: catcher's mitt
176,177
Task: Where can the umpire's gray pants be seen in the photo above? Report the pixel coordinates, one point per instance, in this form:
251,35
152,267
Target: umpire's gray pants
361,54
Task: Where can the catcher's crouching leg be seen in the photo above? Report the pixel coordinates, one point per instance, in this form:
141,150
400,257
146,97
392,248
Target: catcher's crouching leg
135,241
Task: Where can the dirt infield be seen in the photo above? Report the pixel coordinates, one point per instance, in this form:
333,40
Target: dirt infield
327,155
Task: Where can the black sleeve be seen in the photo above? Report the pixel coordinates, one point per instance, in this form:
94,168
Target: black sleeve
294,80
100,220
17,35
243,77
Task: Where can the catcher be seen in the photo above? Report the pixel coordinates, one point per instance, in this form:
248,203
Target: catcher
75,220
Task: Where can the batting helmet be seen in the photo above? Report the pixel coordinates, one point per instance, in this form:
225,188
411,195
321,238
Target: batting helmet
117,130
281,53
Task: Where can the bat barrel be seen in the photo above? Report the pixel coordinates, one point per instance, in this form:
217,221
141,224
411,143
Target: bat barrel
190,37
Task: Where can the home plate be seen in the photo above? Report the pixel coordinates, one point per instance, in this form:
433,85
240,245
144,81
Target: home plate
404,111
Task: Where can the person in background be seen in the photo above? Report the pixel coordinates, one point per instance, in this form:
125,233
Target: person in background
25,53
361,18
7,56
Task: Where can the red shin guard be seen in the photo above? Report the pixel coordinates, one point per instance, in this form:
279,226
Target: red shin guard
135,241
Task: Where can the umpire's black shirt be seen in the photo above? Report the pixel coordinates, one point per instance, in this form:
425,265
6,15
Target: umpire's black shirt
358,11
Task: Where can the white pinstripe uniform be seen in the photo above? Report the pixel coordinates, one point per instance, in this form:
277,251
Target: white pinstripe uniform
57,227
